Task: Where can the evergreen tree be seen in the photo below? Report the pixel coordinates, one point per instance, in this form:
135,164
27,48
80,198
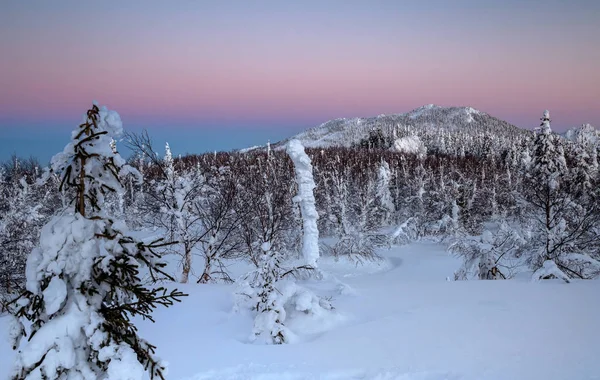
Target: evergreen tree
268,325
545,176
84,280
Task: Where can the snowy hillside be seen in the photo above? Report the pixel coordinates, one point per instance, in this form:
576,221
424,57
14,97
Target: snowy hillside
397,320
422,122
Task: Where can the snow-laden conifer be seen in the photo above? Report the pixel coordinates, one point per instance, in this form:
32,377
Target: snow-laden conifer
84,280
268,324
564,223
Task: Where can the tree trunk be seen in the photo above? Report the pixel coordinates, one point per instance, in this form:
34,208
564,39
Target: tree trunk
187,264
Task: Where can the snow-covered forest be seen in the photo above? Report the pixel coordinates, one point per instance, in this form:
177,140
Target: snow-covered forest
94,239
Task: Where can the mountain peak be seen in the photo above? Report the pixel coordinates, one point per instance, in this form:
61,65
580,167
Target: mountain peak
422,122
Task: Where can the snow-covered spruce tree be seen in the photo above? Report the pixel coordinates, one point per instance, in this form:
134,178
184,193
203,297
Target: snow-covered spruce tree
546,174
277,298
563,228
83,281
268,324
306,198
585,163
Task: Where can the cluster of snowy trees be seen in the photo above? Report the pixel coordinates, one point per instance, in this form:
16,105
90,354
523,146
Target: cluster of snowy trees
536,187
440,130
24,208
525,201
554,227
82,274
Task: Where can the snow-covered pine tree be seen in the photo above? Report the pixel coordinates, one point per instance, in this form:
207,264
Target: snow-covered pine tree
268,324
546,173
84,280
585,165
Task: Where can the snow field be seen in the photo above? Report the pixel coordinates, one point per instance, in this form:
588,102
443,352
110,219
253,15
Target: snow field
399,320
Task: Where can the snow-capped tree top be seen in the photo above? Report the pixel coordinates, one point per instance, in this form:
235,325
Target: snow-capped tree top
169,166
546,115
295,150
546,122
168,154
89,163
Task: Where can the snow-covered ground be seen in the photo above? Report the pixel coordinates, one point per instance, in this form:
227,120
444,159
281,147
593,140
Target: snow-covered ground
399,320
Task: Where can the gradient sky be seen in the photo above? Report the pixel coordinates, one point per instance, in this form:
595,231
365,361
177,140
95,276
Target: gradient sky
224,74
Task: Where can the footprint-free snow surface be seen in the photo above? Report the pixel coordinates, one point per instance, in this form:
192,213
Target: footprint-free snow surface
401,319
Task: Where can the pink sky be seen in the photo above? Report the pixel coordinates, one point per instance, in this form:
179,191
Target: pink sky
298,64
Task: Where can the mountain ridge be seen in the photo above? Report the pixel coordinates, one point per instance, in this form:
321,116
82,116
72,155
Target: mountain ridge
429,128
427,115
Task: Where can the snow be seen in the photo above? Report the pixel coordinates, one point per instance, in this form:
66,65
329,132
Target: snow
108,126
410,145
470,112
549,268
402,320
348,132
306,198
54,295
275,372
249,149
415,114
125,365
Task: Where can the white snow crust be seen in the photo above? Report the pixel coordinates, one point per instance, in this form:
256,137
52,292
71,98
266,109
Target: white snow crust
402,320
